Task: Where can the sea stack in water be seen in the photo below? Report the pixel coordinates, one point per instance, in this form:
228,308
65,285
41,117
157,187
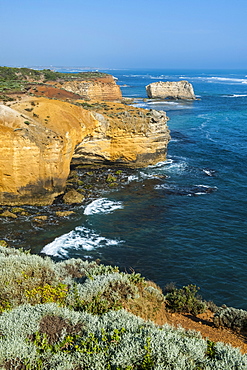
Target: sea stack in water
171,90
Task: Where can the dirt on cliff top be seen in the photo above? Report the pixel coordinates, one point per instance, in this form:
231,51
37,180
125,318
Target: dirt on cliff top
49,91
204,324
149,309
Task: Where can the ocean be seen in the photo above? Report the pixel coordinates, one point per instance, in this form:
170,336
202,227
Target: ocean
182,220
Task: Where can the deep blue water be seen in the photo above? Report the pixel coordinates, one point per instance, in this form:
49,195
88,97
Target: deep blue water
190,225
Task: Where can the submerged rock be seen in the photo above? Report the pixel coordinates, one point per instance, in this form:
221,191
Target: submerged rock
40,219
18,210
64,213
171,89
8,214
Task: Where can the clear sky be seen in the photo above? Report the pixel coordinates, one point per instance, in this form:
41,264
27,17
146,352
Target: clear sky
124,33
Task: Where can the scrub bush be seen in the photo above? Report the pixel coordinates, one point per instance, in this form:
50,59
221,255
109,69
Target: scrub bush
81,285
26,278
79,270
47,336
230,317
101,293
185,300
68,316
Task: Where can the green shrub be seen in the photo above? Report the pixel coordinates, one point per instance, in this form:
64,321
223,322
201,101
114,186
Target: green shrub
47,293
101,293
230,317
81,285
27,278
50,75
185,300
3,243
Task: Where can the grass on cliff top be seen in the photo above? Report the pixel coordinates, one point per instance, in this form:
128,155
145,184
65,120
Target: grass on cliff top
13,79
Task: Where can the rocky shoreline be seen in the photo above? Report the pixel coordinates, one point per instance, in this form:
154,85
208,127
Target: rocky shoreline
84,184
66,140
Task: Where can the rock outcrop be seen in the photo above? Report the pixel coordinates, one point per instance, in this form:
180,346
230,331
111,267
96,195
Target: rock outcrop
39,138
171,90
104,89
125,135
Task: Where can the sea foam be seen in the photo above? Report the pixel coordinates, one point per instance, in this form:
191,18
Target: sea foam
82,238
102,205
161,164
229,80
237,95
186,190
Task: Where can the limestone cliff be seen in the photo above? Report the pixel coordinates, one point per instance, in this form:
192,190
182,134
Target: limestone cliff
131,136
170,89
104,89
35,152
40,137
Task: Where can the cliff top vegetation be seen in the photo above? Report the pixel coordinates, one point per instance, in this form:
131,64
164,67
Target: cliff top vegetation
13,79
78,314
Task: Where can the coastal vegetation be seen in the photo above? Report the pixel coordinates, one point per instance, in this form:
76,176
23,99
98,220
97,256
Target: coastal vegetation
9,74
17,80
78,314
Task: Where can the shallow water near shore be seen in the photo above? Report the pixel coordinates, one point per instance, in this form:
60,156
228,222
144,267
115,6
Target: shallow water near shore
183,220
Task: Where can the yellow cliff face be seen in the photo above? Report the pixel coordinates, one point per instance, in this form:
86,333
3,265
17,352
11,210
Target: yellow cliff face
104,89
40,138
36,148
126,135
29,157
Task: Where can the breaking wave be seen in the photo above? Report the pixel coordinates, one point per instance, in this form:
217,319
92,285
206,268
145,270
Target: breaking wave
102,205
235,96
229,80
194,190
81,238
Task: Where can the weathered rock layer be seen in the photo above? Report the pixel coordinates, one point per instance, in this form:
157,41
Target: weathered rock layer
170,89
132,137
104,89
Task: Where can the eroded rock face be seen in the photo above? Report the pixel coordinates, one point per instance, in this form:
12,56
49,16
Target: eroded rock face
133,137
39,138
104,89
34,156
171,89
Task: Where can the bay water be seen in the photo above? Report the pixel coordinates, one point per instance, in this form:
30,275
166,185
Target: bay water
182,220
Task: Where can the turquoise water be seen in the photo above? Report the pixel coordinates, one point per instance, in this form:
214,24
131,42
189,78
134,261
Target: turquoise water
183,220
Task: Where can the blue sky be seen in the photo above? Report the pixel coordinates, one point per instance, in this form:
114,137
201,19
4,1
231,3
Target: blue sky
124,34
